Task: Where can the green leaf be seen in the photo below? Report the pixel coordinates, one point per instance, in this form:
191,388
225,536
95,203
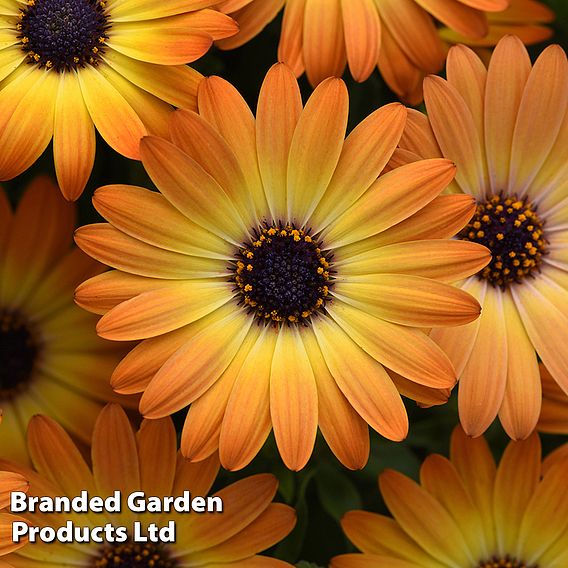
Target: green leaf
336,492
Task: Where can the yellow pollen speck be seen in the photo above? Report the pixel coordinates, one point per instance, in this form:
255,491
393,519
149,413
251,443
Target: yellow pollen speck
500,236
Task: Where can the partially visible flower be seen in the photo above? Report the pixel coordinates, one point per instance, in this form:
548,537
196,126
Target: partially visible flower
468,512
9,482
148,461
506,128
321,37
69,67
554,413
278,274
51,361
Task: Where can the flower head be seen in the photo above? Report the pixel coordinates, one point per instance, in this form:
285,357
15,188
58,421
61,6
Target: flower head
506,129
148,461
51,361
70,66
275,277
399,36
466,511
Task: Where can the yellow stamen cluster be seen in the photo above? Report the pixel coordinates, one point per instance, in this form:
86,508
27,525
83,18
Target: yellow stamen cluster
134,556
282,274
512,230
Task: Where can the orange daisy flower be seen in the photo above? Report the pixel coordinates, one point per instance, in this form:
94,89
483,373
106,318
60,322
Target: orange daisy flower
147,461
70,66
554,413
9,482
467,511
506,128
321,37
51,361
275,274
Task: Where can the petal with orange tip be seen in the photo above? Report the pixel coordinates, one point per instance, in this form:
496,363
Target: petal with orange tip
405,350
162,310
414,31
10,482
392,198
175,84
115,455
346,433
202,427
73,138
278,111
517,478
243,501
133,10
323,40
29,127
523,394
365,153
424,519
370,561
539,119
114,248
114,118
483,380
457,134
193,368
362,29
466,20
269,528
318,139
509,69
293,399
290,48
377,534
377,401
247,423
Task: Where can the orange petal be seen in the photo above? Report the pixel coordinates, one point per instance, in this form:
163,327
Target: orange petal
468,21
407,351
162,310
323,41
324,119
114,118
191,370
424,519
244,432
394,197
377,400
293,399
365,153
278,111
73,138
362,29
343,429
290,48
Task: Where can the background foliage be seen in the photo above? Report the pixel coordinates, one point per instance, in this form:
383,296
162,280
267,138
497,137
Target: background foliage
324,490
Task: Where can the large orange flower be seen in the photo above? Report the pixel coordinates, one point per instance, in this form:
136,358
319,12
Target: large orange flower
507,130
51,361
70,66
148,461
9,482
321,37
275,277
466,512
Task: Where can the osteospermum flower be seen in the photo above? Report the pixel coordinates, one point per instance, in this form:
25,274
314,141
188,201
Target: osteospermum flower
51,361
554,413
148,461
9,482
70,66
468,512
275,277
400,36
506,128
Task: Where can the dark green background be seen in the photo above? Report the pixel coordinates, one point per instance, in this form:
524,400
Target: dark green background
324,490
